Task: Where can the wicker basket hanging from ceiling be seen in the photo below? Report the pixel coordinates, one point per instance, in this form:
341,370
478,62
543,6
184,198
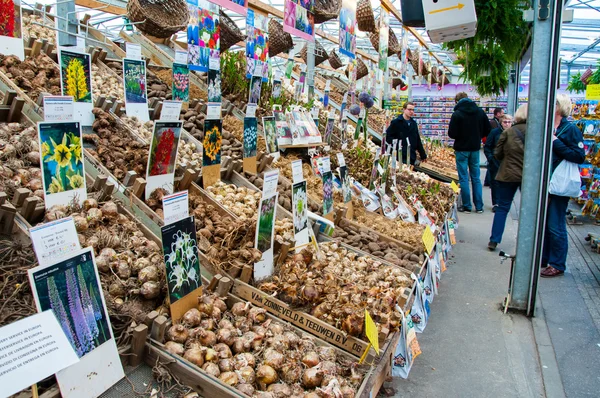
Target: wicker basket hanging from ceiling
320,54
326,10
361,70
279,41
334,60
398,82
393,45
230,33
434,75
413,58
586,76
365,16
442,79
159,18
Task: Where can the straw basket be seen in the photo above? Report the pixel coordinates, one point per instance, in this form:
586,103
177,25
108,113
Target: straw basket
434,76
279,41
393,45
442,77
413,58
162,18
586,75
230,33
398,82
361,71
320,54
334,60
326,10
365,16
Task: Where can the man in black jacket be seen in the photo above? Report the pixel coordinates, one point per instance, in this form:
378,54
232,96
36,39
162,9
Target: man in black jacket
468,125
404,129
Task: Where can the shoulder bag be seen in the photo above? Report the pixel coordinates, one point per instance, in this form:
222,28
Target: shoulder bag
566,180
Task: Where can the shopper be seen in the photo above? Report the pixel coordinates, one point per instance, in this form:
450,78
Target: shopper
493,163
495,122
509,151
468,125
404,129
567,145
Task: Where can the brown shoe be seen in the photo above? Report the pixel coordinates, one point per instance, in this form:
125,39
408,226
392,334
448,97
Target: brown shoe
550,272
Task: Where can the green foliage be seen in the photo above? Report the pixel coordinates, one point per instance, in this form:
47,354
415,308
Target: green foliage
500,38
575,84
233,75
595,78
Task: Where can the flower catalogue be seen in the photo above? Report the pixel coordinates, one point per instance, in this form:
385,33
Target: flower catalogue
162,160
76,79
300,210
62,156
181,258
212,143
266,223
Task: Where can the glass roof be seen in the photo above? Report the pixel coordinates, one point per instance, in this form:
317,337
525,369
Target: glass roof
579,46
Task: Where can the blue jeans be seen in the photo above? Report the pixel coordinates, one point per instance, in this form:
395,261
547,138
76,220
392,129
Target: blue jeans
556,244
505,193
467,165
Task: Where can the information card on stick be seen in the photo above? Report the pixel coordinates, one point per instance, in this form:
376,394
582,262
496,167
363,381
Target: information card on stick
54,240
175,207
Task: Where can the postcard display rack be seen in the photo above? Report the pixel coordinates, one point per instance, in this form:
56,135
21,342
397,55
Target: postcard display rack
148,344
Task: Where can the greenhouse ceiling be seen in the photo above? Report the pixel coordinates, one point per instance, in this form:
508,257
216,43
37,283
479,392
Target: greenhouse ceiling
579,46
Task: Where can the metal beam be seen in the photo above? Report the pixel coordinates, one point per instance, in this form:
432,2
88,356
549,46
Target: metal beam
540,125
589,48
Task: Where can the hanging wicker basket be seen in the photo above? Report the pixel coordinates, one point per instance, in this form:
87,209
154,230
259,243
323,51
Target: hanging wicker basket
361,70
334,60
159,18
586,75
442,79
398,82
230,33
326,10
434,75
393,45
320,53
279,41
365,16
413,58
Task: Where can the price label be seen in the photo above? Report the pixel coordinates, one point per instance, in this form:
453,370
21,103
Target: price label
428,240
181,57
170,111
325,164
54,240
213,111
214,63
454,187
341,160
297,174
176,207
251,110
271,179
327,85
315,113
58,108
133,51
277,75
371,331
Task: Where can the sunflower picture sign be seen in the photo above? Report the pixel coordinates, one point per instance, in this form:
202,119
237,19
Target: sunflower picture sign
160,172
211,153
10,29
61,159
76,81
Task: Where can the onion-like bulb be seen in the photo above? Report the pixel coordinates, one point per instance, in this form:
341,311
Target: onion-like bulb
211,355
225,324
226,336
292,339
280,390
195,356
178,333
312,378
257,315
310,359
291,372
205,308
246,389
223,350
226,365
276,328
246,375
329,368
327,354
240,309
207,338
220,304
348,392
192,317
273,358
174,348
244,359
229,378
208,324
212,369
266,375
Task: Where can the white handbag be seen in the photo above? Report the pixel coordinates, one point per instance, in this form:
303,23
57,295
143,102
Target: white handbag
566,180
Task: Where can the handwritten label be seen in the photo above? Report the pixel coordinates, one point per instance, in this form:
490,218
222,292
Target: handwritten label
133,51
54,240
181,57
297,175
341,160
428,240
454,187
251,110
302,320
58,108
176,207
270,183
371,331
31,350
170,111
592,92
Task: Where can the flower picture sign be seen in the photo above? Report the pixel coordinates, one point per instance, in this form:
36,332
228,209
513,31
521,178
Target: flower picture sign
10,29
257,45
211,151
181,83
76,81
61,157
384,36
299,18
250,142
182,265
203,34
300,212
239,6
348,28
160,172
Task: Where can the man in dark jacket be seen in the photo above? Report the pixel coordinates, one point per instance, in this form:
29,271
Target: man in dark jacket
404,129
492,163
468,125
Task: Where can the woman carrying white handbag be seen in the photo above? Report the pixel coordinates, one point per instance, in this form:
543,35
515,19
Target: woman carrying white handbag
567,153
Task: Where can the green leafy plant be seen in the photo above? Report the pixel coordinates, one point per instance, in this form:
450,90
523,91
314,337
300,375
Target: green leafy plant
575,84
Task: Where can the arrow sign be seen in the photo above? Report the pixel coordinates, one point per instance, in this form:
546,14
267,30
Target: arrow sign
459,6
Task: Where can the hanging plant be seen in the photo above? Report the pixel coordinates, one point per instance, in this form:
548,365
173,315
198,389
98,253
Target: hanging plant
575,84
500,39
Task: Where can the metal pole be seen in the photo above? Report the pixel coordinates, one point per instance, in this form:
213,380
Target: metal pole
540,124
70,24
310,68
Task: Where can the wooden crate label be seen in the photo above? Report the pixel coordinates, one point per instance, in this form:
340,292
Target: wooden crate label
300,319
